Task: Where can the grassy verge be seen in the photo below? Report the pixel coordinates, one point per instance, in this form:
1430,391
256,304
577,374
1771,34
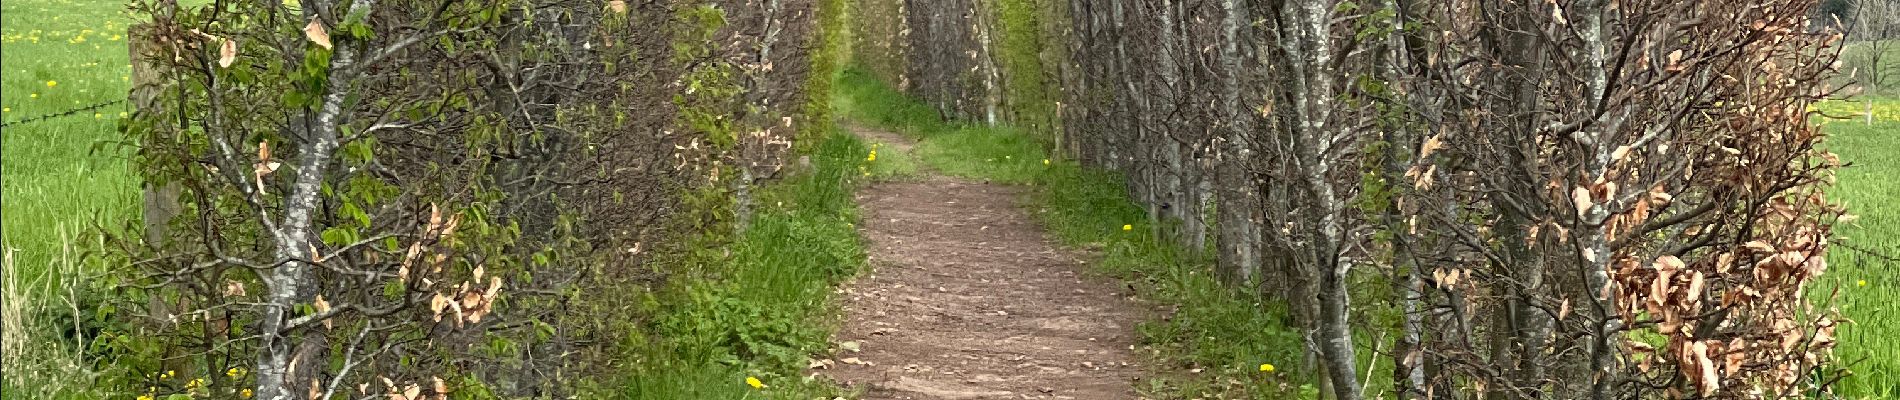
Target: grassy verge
762,310
1868,284
62,178
1219,336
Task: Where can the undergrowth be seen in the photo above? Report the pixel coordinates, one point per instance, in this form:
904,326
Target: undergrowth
763,308
1217,337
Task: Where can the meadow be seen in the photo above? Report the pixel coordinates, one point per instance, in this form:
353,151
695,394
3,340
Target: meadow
64,177
1862,278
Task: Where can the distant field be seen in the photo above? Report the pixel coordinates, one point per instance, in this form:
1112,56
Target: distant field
61,176
1868,284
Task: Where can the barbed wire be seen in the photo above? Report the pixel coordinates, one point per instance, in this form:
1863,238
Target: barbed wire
71,112
1869,252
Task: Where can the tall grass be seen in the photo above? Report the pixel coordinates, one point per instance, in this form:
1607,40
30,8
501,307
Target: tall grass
763,310
58,177
43,348
1868,283
1217,336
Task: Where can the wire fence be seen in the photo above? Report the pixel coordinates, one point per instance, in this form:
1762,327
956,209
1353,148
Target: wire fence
1875,254
67,113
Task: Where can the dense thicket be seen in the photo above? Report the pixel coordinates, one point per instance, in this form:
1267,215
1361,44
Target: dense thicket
1504,199
411,198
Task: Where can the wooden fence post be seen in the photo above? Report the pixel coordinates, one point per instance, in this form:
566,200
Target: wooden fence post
160,203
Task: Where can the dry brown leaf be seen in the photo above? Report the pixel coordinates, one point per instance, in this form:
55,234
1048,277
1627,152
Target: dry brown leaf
1736,356
323,306
1696,282
233,288
1582,197
1710,381
227,52
317,34
437,304
1431,145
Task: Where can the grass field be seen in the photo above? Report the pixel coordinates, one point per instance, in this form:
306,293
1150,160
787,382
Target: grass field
61,176
1869,288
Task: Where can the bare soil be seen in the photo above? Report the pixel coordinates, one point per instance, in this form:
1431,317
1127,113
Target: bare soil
967,298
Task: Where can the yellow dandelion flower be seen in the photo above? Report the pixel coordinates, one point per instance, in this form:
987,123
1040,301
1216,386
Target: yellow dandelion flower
1045,161
52,83
754,382
98,115
7,109
1128,227
122,114
35,95
1862,282
1266,367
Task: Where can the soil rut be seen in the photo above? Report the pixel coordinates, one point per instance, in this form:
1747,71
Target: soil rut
967,299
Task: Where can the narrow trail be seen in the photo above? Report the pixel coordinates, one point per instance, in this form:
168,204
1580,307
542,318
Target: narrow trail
968,299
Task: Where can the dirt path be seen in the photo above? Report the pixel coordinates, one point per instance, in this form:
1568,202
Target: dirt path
967,299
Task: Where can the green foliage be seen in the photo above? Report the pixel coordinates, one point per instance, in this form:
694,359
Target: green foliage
998,154
827,61
1020,50
711,88
1225,332
752,312
891,163
863,98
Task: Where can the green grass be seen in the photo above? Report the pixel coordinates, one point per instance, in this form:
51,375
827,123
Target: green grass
1223,333
1871,344
763,310
861,97
59,173
61,178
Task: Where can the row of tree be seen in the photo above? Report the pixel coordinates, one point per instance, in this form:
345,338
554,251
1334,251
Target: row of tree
1537,199
412,197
